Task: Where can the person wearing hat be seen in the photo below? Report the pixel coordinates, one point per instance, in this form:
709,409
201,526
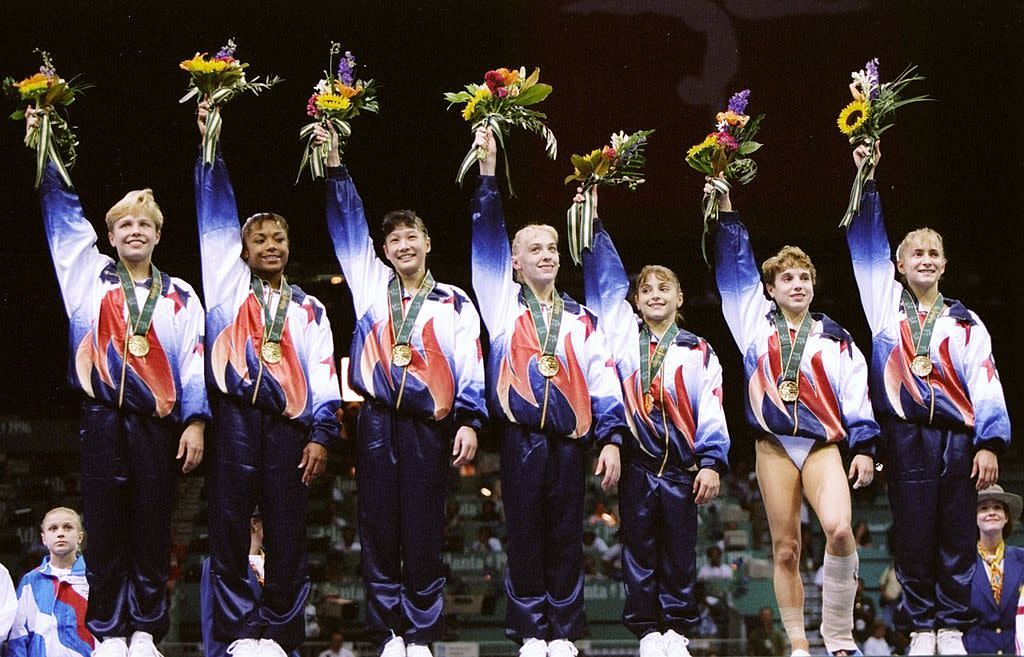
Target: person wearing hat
998,574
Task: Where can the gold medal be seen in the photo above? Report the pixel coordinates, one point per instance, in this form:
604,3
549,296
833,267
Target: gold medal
789,391
548,365
921,366
271,352
648,403
401,355
138,346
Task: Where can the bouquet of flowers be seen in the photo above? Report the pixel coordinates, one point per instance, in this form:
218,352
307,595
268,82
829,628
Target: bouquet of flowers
726,151
503,100
618,164
52,138
336,99
868,116
218,80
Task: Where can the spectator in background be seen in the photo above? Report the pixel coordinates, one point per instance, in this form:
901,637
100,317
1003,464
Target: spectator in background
714,568
765,639
594,545
714,614
348,543
998,574
876,644
862,534
486,541
452,519
8,603
336,647
863,614
601,516
50,619
489,512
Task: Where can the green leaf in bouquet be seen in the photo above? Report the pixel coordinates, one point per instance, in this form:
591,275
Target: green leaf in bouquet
582,164
602,165
748,147
460,97
530,81
533,94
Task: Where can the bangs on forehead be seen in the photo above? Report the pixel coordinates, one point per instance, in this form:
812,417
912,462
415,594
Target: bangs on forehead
532,234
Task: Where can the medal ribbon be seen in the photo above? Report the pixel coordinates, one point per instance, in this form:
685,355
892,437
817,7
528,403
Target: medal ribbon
140,321
792,353
651,364
921,335
272,328
401,326
547,334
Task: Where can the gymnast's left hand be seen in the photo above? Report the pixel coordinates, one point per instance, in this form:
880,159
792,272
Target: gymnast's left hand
609,465
862,471
465,446
314,460
191,446
706,486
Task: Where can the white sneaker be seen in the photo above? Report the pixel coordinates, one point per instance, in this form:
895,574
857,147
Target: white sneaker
652,645
950,642
418,650
270,648
114,646
395,647
142,646
534,648
675,644
242,648
799,652
923,643
562,648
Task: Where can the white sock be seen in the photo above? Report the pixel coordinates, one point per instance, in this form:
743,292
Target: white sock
793,623
838,592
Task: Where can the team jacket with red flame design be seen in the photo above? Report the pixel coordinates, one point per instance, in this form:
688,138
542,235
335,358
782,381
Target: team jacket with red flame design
686,427
585,395
303,385
168,381
446,373
50,621
833,402
963,390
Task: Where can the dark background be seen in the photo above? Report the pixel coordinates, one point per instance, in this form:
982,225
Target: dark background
670,65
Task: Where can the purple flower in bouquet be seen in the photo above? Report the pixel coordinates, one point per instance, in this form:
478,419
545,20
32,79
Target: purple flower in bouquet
872,70
227,52
738,102
346,65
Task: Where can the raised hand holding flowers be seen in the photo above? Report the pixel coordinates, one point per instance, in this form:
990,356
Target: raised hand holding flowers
868,116
49,132
620,163
725,151
503,100
218,80
336,99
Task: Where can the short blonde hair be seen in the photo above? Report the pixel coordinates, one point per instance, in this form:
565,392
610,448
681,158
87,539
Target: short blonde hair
787,257
137,203
662,274
923,236
522,234
59,509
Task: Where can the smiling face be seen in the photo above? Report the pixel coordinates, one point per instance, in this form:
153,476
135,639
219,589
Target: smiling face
265,245
658,297
134,237
535,255
921,259
406,248
992,517
62,534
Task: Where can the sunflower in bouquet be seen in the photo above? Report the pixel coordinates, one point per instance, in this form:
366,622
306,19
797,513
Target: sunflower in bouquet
505,99
336,99
49,95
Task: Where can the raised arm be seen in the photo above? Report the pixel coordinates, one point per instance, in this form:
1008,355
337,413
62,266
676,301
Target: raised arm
872,257
220,237
346,222
8,602
495,290
606,287
739,280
